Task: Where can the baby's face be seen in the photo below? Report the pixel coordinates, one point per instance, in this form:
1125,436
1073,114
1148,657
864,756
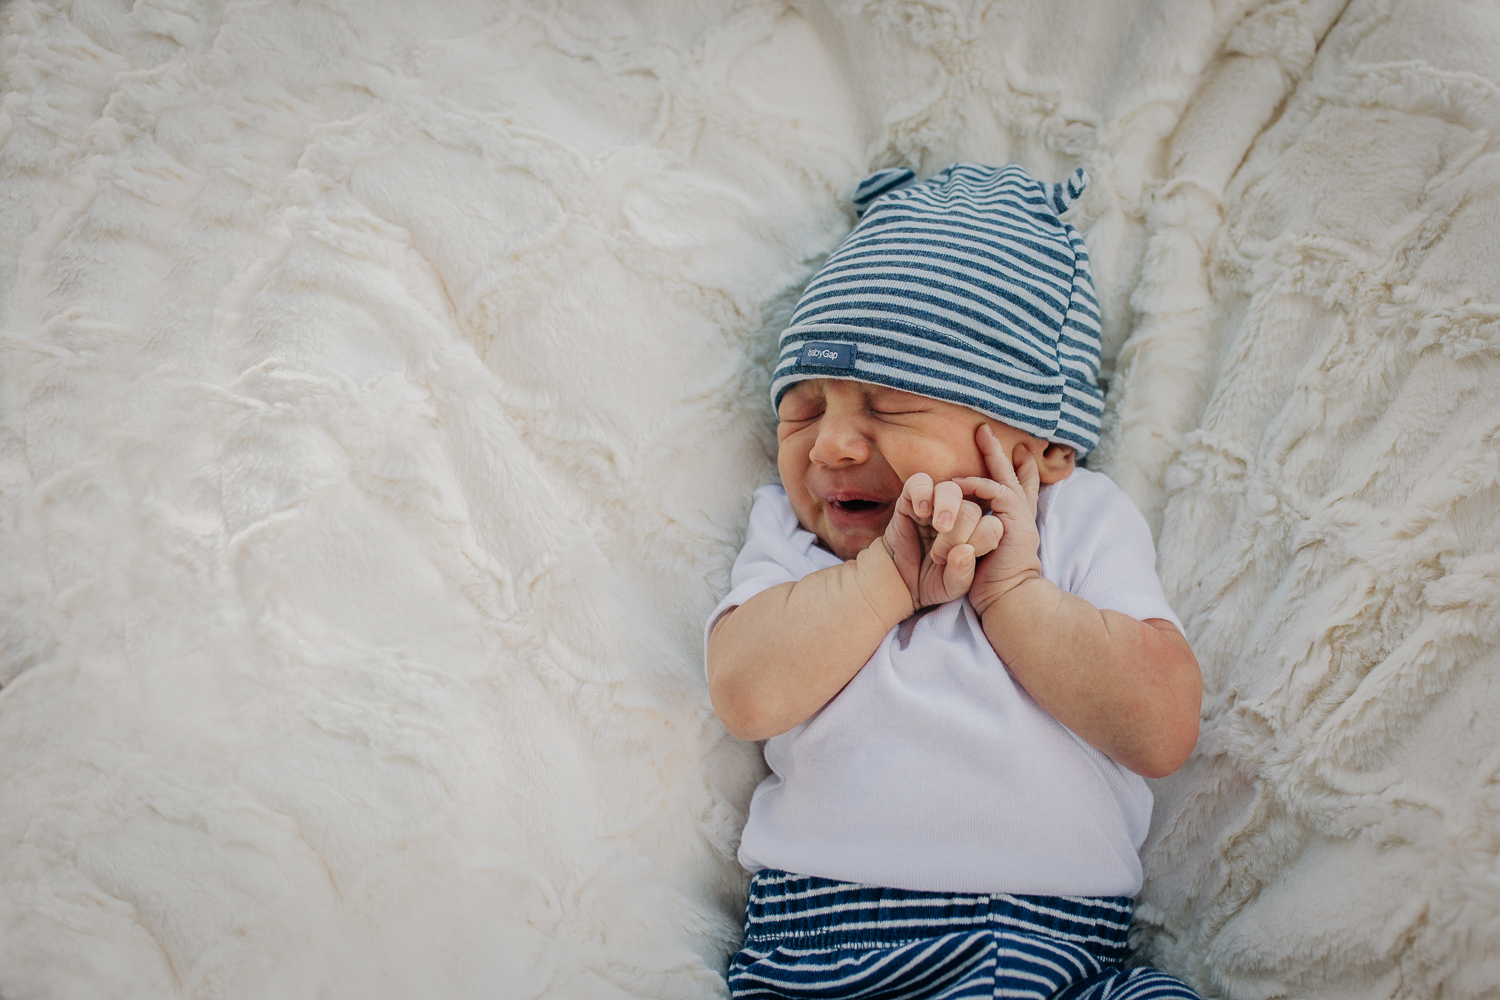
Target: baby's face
846,448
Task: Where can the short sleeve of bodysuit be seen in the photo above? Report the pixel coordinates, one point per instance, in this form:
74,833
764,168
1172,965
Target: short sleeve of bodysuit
777,550
1096,544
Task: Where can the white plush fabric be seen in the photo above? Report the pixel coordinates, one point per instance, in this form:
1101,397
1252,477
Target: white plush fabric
382,388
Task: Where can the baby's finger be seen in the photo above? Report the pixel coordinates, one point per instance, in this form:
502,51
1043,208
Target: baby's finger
1011,502
1028,473
958,572
978,486
995,458
968,516
916,497
946,499
986,536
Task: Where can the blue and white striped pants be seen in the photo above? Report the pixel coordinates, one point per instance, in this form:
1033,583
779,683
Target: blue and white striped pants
809,937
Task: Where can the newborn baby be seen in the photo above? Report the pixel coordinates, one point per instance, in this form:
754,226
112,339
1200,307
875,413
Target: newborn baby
952,639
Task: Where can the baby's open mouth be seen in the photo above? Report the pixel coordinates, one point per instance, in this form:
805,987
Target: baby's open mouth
857,506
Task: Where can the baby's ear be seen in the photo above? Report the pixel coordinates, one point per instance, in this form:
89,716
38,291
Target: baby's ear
1057,463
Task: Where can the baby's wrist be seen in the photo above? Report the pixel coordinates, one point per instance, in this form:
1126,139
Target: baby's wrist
881,583
992,597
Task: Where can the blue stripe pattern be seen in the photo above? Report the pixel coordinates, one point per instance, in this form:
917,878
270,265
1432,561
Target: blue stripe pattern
808,937
966,287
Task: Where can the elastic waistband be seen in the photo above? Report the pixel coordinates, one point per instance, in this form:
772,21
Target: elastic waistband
812,912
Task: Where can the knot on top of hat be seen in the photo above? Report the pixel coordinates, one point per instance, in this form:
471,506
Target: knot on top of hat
1062,194
965,287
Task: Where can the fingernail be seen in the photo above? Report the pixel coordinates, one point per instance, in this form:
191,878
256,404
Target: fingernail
944,521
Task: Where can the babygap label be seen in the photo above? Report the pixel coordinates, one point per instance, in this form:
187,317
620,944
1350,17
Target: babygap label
819,352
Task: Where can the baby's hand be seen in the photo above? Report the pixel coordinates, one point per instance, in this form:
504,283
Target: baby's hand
936,536
1011,491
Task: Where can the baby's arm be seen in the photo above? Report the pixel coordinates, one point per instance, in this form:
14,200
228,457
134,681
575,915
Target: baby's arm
1130,688
779,657
783,654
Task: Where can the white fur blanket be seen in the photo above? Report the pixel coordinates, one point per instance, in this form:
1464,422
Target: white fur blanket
383,383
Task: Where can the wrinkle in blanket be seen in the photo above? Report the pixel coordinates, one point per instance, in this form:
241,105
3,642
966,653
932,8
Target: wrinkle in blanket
382,389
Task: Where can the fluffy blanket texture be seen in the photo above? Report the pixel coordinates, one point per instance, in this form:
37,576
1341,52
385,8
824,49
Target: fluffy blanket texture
384,383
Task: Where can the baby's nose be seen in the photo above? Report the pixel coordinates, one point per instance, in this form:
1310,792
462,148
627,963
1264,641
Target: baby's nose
840,442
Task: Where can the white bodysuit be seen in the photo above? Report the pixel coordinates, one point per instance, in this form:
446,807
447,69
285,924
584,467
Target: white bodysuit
933,768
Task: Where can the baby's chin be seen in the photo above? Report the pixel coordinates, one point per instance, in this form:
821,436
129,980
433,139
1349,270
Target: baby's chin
844,552
846,544
846,530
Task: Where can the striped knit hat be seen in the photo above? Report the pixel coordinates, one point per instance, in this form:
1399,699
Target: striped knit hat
965,288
